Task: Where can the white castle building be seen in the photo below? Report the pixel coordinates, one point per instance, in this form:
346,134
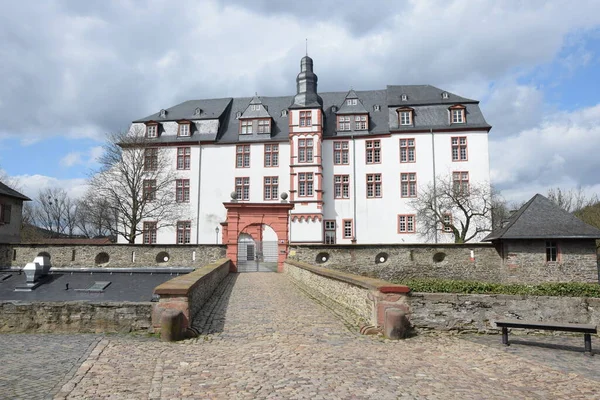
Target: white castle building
350,162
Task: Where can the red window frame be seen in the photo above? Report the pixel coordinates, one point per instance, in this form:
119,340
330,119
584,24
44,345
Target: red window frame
149,232
408,184
345,228
152,128
186,126
149,190
242,156
329,225
305,184
305,118
242,187
341,187
150,159
374,186
459,148
246,127
408,152
343,122
271,187
460,182
447,222
407,223
305,150
264,126
271,155
373,151
341,154
184,232
182,190
184,160
361,122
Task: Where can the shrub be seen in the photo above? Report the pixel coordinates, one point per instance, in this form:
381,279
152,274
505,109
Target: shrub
572,289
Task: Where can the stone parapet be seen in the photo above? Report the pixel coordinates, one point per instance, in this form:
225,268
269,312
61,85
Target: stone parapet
517,262
112,255
188,293
365,297
477,312
75,317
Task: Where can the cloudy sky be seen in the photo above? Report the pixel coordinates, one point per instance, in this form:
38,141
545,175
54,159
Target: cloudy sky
73,71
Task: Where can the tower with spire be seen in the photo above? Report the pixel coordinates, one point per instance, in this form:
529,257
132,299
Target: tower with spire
306,164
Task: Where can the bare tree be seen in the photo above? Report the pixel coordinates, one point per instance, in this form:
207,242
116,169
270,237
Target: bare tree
137,181
571,200
94,216
454,207
55,211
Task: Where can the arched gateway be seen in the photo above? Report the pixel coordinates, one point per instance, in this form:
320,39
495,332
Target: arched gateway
256,235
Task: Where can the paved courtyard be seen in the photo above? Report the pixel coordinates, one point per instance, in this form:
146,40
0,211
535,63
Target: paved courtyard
263,338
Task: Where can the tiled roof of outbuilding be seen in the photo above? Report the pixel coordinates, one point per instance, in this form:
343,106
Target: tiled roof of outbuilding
540,218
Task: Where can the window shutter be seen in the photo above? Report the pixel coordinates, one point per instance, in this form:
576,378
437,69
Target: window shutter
6,213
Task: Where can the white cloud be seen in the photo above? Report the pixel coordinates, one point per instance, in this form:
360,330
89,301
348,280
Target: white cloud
31,185
560,152
88,158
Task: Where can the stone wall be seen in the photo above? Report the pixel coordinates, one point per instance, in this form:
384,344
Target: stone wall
577,261
75,317
118,255
364,298
188,293
476,312
451,261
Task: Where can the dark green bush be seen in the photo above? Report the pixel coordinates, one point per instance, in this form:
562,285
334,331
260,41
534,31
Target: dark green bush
572,289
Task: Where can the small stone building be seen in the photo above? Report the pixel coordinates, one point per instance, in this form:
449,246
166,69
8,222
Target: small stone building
543,239
11,206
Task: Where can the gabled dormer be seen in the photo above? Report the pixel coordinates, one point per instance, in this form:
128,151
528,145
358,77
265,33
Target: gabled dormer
256,118
352,114
457,114
152,129
184,128
406,116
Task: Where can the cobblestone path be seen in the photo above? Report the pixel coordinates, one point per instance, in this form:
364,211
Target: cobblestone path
36,366
263,338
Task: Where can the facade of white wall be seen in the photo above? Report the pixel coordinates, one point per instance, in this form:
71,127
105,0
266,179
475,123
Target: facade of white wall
372,220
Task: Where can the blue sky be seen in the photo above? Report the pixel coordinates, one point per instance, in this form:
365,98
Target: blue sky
75,71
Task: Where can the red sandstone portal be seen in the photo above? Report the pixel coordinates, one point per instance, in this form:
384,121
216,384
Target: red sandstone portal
248,218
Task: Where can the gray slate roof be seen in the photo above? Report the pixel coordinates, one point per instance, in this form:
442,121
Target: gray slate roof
7,191
210,109
359,108
540,218
430,112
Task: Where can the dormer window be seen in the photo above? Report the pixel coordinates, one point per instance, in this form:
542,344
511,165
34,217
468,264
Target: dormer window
184,129
404,97
343,123
351,102
255,107
360,122
264,126
334,109
238,115
246,127
163,113
457,114
376,107
197,111
284,113
152,130
405,116
445,95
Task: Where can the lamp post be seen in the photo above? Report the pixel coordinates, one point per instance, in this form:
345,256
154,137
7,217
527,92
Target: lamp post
217,235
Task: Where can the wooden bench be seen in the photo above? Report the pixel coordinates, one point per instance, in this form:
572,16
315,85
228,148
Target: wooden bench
587,330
